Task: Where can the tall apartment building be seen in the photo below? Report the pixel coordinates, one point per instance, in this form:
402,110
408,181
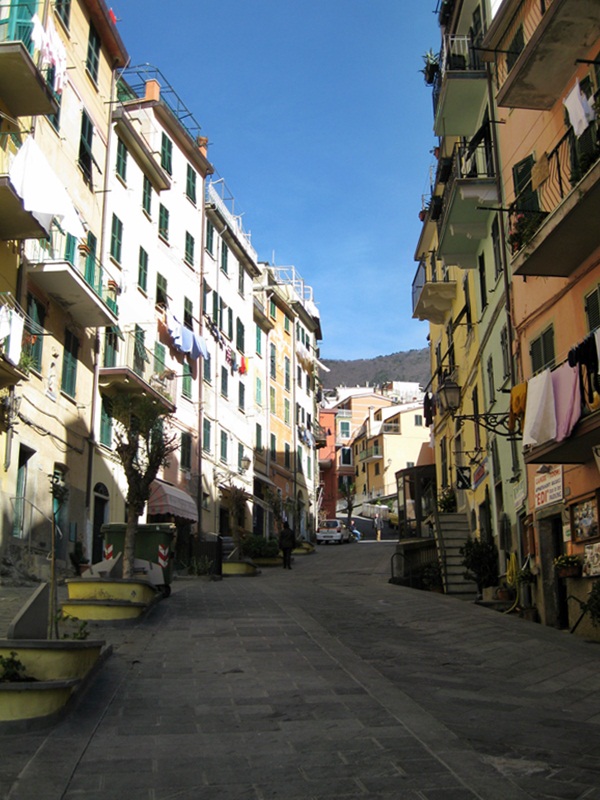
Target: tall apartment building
58,64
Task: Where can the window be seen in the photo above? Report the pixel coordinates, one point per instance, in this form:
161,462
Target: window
224,381
140,357
287,456
185,458
69,365
186,382
223,449
344,429
514,48
106,423
36,312
273,400
92,62
116,238
287,373
299,460
258,434
496,248
163,222
188,313
190,184
63,9
210,236
504,346
166,154
241,280
206,370
287,411
526,198
85,147
273,447
240,456
161,290
491,382
272,309
159,358
273,361
482,282
121,160
206,435
346,457
143,270
592,309
147,196
258,341
240,334
224,257
111,347
189,249
258,397
241,396
542,351
287,323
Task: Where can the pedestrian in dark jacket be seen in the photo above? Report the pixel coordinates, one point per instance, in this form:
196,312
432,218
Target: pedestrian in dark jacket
287,542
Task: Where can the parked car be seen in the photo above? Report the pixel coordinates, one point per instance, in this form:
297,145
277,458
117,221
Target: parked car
332,530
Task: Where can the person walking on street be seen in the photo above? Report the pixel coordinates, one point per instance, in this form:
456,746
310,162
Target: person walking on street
287,542
378,525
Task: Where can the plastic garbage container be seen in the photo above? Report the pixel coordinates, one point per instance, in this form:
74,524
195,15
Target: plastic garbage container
153,542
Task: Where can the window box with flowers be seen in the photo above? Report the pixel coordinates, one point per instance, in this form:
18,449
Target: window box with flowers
567,566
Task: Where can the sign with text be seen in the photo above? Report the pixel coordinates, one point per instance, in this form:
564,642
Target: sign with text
548,487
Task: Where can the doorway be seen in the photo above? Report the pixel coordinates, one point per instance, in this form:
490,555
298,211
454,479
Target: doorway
101,498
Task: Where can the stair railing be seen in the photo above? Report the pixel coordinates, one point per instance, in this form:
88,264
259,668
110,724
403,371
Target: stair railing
430,498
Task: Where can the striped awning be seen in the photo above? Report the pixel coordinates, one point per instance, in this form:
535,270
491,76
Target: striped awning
168,499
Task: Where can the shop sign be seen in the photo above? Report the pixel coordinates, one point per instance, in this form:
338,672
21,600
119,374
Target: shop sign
548,487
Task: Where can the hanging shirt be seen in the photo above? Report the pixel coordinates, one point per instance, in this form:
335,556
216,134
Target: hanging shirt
567,399
540,413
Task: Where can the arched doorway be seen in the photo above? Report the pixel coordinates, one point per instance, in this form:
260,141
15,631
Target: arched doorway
100,514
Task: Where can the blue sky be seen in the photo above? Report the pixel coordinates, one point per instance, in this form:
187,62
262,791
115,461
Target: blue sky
320,123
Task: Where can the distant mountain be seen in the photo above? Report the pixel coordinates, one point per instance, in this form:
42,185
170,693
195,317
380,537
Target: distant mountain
412,365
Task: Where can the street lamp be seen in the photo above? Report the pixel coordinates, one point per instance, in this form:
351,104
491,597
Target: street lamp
449,399
245,463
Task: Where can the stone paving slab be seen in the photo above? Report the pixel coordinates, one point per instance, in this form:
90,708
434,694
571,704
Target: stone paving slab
323,682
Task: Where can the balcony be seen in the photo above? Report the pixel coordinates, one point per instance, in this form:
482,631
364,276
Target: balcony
432,297
536,44
73,277
370,454
128,367
319,434
15,222
469,198
23,87
558,238
459,88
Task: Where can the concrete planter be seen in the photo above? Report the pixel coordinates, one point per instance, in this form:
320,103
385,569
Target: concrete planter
238,568
276,561
58,668
33,700
109,598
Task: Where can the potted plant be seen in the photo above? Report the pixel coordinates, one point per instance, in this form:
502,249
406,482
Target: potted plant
447,501
567,566
480,559
432,65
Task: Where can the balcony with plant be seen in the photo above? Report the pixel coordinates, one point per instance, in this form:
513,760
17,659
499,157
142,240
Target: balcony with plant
459,86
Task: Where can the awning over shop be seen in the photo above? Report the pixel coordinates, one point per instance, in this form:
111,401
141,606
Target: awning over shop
167,499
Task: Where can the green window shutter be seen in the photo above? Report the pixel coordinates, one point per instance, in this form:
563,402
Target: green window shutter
259,445
592,309
241,396
224,257
206,435
185,460
163,222
258,341
189,248
93,54
230,323
223,453
36,312
121,160
70,246
106,423
206,371
216,306
166,154
188,313
147,196
210,236
239,335
159,358
161,290
190,184
186,385
526,197
116,238
85,147
69,365
143,270
111,345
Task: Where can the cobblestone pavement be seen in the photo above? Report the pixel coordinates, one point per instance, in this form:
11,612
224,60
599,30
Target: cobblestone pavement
323,682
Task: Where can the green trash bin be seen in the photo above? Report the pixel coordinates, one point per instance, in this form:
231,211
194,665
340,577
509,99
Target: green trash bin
153,542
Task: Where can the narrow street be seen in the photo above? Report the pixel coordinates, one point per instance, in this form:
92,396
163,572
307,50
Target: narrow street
323,682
